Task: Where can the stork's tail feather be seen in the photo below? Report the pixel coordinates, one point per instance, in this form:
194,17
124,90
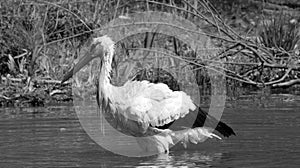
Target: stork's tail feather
224,129
204,117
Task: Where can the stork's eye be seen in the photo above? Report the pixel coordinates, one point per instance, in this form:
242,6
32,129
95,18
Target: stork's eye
93,46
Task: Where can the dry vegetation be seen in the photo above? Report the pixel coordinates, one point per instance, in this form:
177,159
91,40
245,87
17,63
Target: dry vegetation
41,39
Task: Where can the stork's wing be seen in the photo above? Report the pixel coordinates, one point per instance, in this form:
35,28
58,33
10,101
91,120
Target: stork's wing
154,104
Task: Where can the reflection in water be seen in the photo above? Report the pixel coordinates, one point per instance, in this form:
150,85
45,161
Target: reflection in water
53,137
184,158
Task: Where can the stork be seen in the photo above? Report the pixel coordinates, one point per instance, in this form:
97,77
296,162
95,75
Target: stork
151,111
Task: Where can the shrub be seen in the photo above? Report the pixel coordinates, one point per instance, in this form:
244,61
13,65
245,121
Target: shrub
280,34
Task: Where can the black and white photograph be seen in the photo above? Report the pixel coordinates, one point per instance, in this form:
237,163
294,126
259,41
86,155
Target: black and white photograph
150,83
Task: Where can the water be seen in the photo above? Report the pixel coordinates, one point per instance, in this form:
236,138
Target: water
267,136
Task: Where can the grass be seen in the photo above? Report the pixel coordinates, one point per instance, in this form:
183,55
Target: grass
41,31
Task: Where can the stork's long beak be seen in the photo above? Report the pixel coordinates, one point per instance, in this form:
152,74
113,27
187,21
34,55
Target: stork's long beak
94,52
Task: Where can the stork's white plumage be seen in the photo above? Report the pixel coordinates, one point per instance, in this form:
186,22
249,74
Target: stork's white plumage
141,108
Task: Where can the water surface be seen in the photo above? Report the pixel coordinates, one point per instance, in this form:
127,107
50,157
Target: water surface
267,136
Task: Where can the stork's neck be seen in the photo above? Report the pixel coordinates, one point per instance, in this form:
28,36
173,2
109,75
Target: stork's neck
105,74
104,80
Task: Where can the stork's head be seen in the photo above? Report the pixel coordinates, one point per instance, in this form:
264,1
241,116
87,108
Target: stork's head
101,47
107,44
